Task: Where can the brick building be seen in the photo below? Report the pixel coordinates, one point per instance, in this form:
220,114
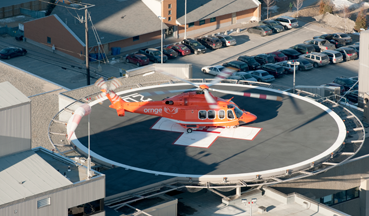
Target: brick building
135,23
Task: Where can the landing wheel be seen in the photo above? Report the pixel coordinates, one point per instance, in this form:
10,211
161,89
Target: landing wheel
189,130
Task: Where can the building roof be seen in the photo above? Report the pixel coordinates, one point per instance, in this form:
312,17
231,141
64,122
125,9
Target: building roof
114,20
205,9
25,174
11,96
6,3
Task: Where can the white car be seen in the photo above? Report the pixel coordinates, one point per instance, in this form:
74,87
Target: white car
213,70
242,76
288,22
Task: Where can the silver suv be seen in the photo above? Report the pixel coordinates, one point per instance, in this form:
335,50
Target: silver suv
334,56
288,22
317,59
227,40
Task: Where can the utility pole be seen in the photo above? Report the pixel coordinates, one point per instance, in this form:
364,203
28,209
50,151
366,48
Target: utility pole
86,42
185,36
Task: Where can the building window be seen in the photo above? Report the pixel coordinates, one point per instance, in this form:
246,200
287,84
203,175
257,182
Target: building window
340,197
169,12
90,208
213,19
191,24
169,19
43,202
48,40
169,5
201,22
136,38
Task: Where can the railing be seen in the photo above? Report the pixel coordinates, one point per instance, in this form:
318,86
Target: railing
351,145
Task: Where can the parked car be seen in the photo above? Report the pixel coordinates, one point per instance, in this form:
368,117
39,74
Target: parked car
153,54
304,65
357,43
262,76
11,52
195,46
342,89
251,62
355,78
329,37
355,47
320,44
347,83
304,48
290,53
342,37
273,69
210,42
238,65
334,56
170,52
138,59
181,49
227,40
278,56
274,25
264,59
262,30
318,59
347,53
287,22
213,70
242,76
288,68
352,96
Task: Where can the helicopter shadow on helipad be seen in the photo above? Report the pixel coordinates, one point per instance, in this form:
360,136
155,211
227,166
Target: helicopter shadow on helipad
288,137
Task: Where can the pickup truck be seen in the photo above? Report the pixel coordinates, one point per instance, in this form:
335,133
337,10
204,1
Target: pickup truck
153,54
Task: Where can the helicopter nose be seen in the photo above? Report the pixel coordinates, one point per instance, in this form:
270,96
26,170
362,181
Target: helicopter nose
247,117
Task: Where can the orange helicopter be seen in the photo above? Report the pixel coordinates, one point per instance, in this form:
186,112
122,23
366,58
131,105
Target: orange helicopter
192,109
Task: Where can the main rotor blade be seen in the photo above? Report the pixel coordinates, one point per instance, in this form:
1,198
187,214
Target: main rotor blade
224,74
101,83
115,83
153,93
212,103
171,75
252,95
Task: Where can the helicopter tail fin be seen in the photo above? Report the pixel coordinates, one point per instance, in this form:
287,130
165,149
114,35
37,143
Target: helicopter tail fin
117,103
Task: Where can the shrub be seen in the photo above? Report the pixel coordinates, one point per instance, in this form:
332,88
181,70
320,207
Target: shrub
325,6
361,20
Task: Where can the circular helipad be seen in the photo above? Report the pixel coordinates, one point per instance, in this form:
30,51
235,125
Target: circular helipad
287,134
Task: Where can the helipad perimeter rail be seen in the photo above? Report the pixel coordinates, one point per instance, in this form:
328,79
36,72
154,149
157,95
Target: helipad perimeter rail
339,152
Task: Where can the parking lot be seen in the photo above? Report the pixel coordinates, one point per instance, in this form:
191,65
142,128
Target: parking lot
72,75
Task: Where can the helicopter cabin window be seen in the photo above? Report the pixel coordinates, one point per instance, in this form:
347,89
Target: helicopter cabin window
221,114
202,114
211,114
230,114
169,102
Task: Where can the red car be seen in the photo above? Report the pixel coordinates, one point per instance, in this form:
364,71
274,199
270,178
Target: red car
181,49
278,56
138,59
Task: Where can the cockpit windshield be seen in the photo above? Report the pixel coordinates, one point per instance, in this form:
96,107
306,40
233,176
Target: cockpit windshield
238,112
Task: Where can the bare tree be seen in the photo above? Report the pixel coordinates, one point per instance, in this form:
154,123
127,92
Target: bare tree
269,4
298,5
345,13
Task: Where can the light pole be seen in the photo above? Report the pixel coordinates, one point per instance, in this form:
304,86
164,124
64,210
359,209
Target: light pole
294,63
185,35
161,19
253,201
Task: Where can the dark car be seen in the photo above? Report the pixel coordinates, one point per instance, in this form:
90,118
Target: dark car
355,47
239,65
304,64
11,52
170,53
290,53
329,37
253,64
138,59
352,96
278,56
211,42
262,30
273,69
274,25
347,53
303,48
264,59
347,83
195,46
181,49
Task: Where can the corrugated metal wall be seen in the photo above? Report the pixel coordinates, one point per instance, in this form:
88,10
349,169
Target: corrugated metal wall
15,129
364,63
60,200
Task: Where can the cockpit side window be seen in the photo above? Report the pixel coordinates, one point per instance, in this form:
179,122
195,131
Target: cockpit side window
169,102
